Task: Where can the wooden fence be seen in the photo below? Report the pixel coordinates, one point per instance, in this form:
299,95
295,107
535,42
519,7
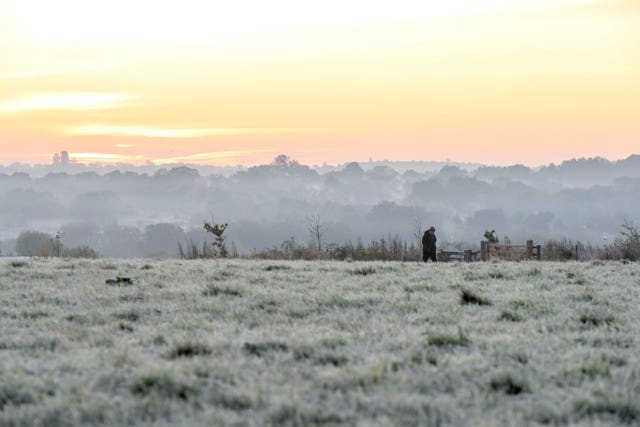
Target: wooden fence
466,256
494,251
509,252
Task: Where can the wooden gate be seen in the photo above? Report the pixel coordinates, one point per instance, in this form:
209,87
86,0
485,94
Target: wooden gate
509,252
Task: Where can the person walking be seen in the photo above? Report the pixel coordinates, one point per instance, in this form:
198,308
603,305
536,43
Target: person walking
429,245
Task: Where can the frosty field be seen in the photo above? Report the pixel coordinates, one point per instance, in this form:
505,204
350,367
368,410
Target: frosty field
318,343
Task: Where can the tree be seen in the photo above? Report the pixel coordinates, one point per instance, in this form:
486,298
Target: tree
218,246
33,243
628,241
417,234
491,237
316,231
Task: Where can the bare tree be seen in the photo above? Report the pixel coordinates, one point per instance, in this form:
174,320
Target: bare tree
417,234
316,230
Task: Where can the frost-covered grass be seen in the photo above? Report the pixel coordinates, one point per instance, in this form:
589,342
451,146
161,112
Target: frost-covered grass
318,343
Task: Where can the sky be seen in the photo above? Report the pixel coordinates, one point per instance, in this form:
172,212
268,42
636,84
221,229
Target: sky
227,83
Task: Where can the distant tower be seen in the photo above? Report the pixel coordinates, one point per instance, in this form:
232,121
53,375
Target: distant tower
56,158
64,157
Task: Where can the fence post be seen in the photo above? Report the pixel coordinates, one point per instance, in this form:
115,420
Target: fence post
484,253
530,249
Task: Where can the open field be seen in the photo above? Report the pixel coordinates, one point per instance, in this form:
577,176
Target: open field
318,343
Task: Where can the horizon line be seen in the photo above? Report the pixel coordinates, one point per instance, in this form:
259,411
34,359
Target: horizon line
162,163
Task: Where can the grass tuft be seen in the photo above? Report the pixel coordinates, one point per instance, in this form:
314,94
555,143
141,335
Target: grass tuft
534,272
35,314
508,384
596,369
261,348
509,316
123,326
289,415
119,281
364,271
14,395
188,350
232,402
331,359
213,290
468,297
131,316
595,319
625,412
277,267
162,385
449,340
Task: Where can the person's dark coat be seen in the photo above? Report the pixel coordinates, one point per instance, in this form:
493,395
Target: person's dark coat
429,246
429,241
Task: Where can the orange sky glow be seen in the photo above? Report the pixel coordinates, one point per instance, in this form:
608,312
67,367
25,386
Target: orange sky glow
211,82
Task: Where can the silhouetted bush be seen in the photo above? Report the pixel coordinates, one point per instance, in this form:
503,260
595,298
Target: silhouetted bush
390,249
625,246
33,243
80,252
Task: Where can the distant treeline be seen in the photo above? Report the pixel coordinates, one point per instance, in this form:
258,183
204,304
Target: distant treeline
123,213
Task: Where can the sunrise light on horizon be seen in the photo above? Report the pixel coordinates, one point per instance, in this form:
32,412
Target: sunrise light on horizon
486,81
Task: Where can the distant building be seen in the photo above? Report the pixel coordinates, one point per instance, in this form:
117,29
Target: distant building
61,158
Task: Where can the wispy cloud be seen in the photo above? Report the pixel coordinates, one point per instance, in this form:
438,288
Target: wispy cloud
23,74
105,158
66,101
157,132
210,156
199,158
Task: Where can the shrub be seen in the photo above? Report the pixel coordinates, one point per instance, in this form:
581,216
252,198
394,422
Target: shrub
625,246
559,250
33,243
193,250
491,237
80,252
218,247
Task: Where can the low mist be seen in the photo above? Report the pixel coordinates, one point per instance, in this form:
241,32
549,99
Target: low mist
129,211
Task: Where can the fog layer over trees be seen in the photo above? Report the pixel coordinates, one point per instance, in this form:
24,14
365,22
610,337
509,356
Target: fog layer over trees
148,212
